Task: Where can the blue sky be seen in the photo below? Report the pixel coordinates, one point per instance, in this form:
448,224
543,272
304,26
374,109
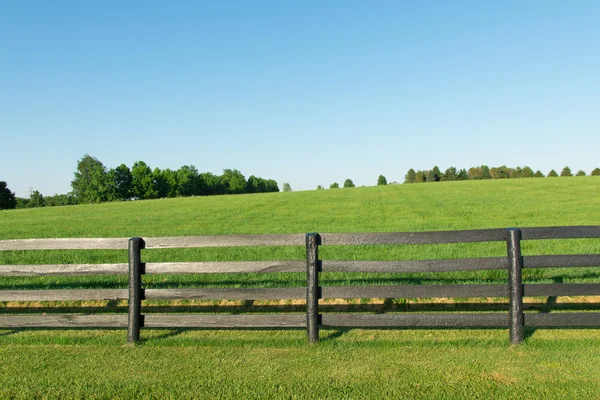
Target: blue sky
302,92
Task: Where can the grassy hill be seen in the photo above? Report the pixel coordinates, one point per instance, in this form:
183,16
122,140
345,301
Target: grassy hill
416,207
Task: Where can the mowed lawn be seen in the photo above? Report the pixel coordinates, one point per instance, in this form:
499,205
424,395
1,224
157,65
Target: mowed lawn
354,363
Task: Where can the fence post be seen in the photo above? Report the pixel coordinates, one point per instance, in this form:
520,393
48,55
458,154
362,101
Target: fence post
515,285
313,265
135,289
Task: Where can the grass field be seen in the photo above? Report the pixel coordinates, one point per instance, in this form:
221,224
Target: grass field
278,364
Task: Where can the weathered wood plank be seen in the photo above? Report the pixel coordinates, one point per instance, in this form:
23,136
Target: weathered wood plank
225,321
224,241
63,321
63,269
558,261
225,267
226,294
561,232
562,289
488,320
570,319
65,294
461,264
64,244
481,235
413,291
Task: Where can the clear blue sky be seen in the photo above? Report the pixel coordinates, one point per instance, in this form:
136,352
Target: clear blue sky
302,92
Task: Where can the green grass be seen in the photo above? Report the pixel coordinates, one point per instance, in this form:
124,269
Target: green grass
351,363
356,364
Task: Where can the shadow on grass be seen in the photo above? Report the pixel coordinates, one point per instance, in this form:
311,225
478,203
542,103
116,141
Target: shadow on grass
10,332
163,335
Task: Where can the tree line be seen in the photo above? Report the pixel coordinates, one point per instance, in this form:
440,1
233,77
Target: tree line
94,183
484,172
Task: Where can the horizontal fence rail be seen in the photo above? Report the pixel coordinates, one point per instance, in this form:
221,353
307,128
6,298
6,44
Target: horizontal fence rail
63,321
225,294
63,269
63,294
224,267
514,290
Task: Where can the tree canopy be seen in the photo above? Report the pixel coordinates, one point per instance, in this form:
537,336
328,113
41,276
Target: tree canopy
7,198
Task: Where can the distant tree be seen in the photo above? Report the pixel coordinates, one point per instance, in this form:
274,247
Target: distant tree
90,183
552,174
410,176
36,199
272,186
122,181
420,176
450,174
501,172
462,175
515,173
538,174
213,183
7,198
580,173
381,180
287,187
566,172
234,181
596,172
348,183
527,172
22,202
334,185
187,181
60,200
475,173
142,181
485,172
437,174
319,187
430,177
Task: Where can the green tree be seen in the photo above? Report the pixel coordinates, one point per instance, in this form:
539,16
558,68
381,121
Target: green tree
462,175
287,187
122,181
527,172
430,177
450,174
381,180
420,176
437,174
580,173
552,174
319,187
538,174
410,176
475,173
90,183
7,198
566,172
485,172
596,172
501,172
334,185
348,183
213,183
36,199
187,181
143,185
234,181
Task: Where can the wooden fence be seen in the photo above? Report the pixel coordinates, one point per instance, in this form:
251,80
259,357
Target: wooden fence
514,289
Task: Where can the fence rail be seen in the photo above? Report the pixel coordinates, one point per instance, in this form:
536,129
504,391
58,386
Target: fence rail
515,319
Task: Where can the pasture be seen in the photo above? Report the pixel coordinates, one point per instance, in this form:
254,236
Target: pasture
354,363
